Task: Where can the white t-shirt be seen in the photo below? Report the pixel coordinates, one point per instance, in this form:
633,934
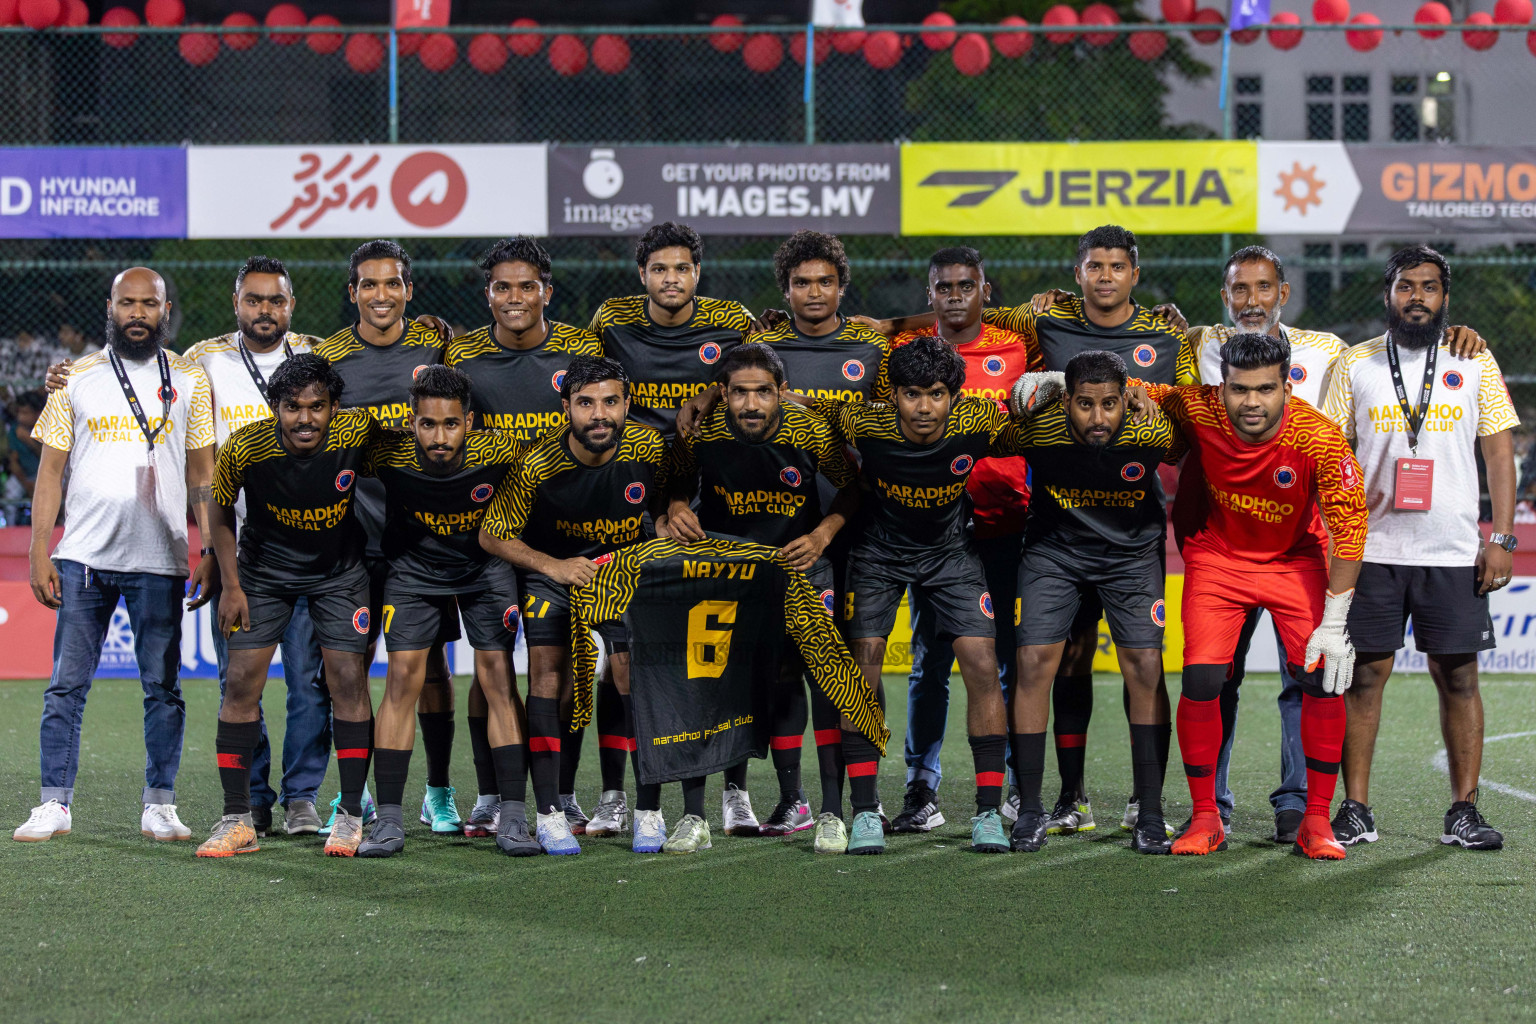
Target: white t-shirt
1468,401
1312,355
120,513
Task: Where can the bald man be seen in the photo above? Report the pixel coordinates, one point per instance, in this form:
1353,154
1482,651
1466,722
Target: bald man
134,427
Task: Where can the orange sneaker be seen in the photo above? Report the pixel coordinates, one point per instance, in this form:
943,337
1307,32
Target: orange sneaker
1204,835
1315,839
346,835
233,834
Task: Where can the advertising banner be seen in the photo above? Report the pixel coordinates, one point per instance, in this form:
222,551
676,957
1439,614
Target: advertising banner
93,193
1068,188
364,191
739,190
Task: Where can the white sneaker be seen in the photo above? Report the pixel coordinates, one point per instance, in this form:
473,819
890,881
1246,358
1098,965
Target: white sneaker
159,821
1010,810
48,820
611,815
736,812
650,832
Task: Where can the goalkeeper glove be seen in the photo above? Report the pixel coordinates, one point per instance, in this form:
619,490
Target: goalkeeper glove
1330,644
1034,391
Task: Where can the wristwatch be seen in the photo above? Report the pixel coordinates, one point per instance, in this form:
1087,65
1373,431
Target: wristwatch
1506,541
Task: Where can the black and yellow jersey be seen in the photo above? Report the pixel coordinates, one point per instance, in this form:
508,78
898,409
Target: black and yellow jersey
559,506
299,528
668,365
378,377
763,491
518,390
432,520
848,365
1149,344
1098,499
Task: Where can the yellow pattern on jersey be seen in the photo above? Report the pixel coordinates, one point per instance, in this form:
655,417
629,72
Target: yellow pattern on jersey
227,343
799,428
1049,429
853,334
631,309
345,341
561,338
481,448
1198,339
967,415
257,442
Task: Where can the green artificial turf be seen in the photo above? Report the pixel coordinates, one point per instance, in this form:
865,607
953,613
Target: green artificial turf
106,925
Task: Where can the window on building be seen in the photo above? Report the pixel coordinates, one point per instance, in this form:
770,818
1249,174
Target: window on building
1248,111
1356,108
1339,107
1320,104
1424,107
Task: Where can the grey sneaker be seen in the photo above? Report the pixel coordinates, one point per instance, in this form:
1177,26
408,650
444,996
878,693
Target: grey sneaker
300,818
1068,818
611,816
482,821
513,838
736,812
689,836
385,839
574,814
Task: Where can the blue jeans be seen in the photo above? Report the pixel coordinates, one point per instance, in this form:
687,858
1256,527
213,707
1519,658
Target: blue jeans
933,660
1291,795
154,611
307,733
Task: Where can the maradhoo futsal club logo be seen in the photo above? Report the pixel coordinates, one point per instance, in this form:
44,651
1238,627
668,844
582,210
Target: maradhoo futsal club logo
557,380
635,493
360,621
1285,476
417,372
344,479
790,475
1298,373
1132,471
826,601
962,464
1452,380
709,352
509,618
168,394
1145,355
994,366
1159,613
853,370
986,604
482,493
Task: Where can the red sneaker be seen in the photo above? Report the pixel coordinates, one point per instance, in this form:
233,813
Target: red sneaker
1204,835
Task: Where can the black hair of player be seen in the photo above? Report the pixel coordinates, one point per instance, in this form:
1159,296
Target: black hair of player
1253,254
1254,352
296,373
585,371
1412,256
958,256
379,249
1107,236
262,265
751,357
804,246
926,361
33,400
439,381
666,235
1095,367
521,249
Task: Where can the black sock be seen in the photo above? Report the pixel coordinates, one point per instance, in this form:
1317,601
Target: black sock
354,747
785,751
693,795
544,754
390,770
480,744
570,755
615,736
1029,768
863,762
437,744
1149,763
647,794
234,745
1072,700
736,775
987,755
786,731
829,752
511,762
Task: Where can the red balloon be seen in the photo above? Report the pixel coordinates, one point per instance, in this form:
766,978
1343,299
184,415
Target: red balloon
40,13
938,40
164,12
1364,40
324,42
120,17
1208,16
726,42
285,16
75,13
972,54
408,44
1285,38
10,16
1432,13
1061,14
1178,12
567,55
1013,44
1244,36
882,50
365,54
1100,14
438,52
487,53
797,47
1479,40
240,40
610,54
1530,42
1147,46
1326,12
762,53
198,48
1512,12
525,44
848,40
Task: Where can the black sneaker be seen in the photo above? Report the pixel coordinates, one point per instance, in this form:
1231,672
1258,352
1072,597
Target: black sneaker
1028,832
1354,823
513,839
919,810
261,821
1288,823
1465,827
1150,834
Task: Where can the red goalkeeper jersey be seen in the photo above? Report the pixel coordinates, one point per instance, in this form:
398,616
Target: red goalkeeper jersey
1258,508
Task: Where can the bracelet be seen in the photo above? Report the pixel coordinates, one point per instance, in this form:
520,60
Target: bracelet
205,551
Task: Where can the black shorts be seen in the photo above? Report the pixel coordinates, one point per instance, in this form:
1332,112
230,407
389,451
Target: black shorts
949,578
546,616
414,622
1055,583
378,590
338,608
1449,615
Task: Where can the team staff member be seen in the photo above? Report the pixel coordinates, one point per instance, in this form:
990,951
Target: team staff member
1418,414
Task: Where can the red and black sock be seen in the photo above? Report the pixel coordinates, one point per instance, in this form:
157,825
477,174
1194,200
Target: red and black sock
1072,704
511,763
791,712
615,737
480,745
987,755
647,794
1322,743
1149,765
1029,768
390,770
354,747
544,753
437,744
829,752
863,762
1199,746
785,751
234,745
693,796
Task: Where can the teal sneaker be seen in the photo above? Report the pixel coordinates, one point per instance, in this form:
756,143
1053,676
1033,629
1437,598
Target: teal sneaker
987,835
868,834
370,811
439,811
